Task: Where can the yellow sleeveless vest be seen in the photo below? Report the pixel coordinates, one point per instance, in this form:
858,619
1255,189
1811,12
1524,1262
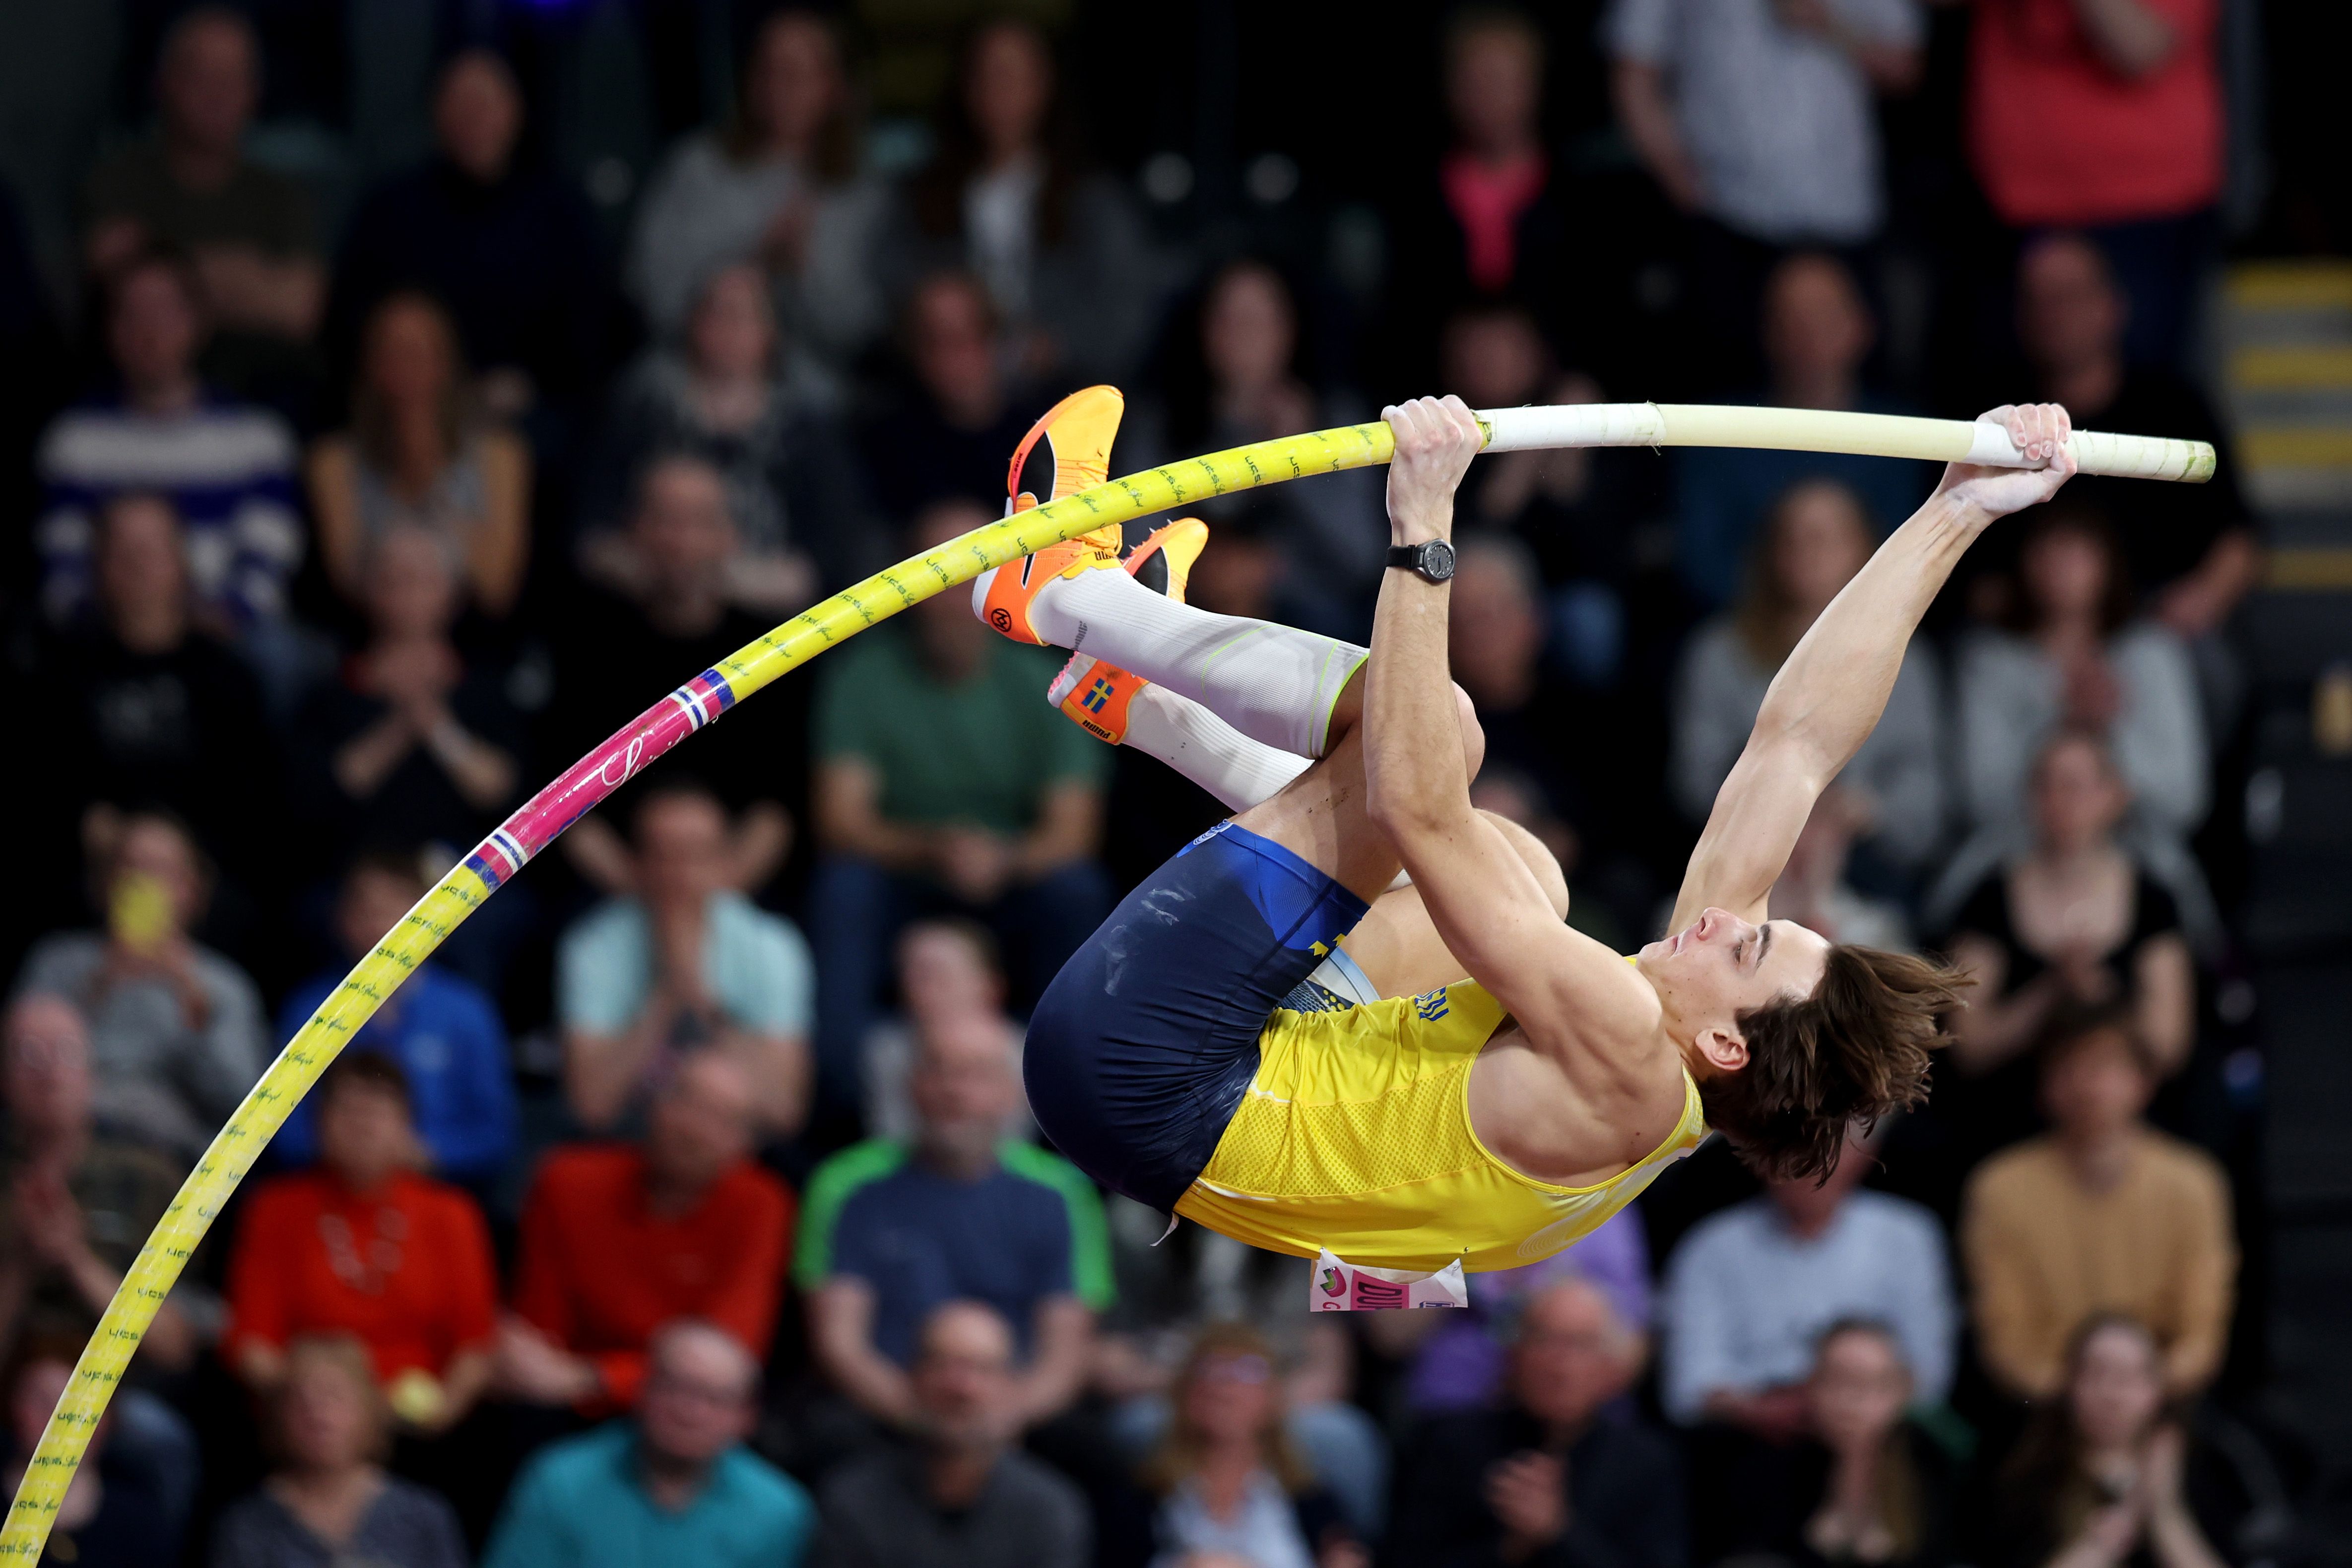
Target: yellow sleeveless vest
1355,1135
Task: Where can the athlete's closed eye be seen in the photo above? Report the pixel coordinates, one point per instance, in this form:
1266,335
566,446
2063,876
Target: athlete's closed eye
1763,946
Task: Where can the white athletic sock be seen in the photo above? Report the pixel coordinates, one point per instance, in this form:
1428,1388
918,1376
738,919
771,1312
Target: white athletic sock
1180,732
1275,684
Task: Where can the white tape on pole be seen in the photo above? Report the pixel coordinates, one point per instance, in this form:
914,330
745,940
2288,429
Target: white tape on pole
1819,430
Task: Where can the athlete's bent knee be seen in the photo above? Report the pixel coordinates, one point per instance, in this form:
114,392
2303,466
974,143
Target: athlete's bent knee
1540,859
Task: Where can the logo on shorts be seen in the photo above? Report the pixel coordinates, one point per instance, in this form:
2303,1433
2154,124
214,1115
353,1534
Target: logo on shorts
1431,1004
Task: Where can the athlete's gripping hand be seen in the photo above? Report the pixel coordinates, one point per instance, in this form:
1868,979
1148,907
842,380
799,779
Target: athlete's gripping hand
1435,439
2043,433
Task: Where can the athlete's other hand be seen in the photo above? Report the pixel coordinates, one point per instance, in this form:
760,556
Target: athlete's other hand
1435,439
2043,433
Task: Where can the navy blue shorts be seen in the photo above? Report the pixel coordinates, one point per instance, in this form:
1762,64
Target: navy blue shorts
1141,1049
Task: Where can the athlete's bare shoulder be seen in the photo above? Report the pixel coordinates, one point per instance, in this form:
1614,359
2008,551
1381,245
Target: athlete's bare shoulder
1581,1095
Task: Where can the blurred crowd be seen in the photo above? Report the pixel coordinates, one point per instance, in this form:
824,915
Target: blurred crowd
686,1207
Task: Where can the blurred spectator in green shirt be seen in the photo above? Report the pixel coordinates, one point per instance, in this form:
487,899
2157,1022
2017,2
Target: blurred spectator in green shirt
945,784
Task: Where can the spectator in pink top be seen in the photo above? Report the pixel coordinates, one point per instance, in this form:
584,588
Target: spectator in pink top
1492,221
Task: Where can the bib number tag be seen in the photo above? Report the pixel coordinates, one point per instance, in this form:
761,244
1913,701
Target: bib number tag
1342,1287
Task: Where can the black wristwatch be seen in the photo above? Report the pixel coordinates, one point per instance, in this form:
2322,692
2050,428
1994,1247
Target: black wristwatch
1433,560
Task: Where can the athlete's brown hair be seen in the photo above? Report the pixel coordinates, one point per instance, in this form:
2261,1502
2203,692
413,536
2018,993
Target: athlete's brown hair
1854,1050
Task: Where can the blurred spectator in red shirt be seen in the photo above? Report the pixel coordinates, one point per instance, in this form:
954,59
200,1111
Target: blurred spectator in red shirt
618,1240
363,1245
2106,115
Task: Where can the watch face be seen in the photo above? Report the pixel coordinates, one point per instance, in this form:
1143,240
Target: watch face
1437,561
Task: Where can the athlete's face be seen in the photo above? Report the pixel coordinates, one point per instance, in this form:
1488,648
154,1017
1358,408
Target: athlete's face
1719,966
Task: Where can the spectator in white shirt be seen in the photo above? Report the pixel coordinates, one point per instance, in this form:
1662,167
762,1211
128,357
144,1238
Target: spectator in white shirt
1750,1292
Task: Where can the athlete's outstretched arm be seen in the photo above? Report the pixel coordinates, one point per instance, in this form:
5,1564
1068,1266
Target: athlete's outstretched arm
1487,905
1829,694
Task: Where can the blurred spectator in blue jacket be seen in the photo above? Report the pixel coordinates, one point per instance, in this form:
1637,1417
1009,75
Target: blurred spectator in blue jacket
441,1030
